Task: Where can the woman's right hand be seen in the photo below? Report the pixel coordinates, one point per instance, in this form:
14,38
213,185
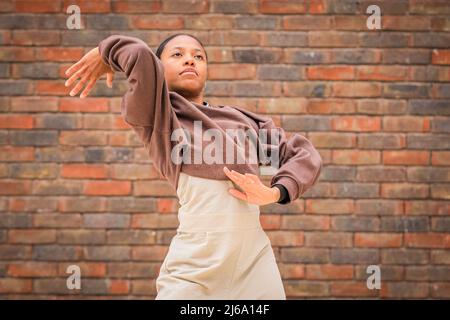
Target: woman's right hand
88,69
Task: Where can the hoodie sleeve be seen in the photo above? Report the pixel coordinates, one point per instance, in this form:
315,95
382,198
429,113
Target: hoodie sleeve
299,163
146,105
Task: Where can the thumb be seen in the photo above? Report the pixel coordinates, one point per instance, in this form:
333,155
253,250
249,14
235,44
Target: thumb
109,79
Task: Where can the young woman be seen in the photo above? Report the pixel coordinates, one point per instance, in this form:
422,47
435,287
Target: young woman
220,250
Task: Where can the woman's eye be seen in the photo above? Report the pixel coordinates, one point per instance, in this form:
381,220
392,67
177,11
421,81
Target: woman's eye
200,56
176,53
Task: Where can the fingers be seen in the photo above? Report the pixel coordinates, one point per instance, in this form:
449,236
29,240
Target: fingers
75,76
80,85
88,88
109,79
238,194
233,175
77,66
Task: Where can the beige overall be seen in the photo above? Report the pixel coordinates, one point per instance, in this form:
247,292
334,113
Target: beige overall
220,250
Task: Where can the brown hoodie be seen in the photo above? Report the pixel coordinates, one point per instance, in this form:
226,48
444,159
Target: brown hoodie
154,113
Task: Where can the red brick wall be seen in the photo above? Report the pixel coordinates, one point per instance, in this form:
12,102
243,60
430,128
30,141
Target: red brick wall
77,186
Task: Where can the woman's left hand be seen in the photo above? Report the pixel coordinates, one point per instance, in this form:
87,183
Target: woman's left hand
254,190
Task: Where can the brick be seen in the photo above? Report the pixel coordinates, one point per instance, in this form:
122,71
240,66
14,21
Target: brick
16,154
152,188
88,104
428,174
136,6
440,256
107,188
382,73
405,56
240,7
231,71
58,121
89,6
291,122
132,271
286,238
33,171
16,54
81,237
149,253
10,285
400,224
428,107
292,271
332,39
388,272
360,124
440,224
56,253
435,141
355,224
88,269
32,204
79,171
59,54
306,23
426,208
31,236
356,89
259,23
381,173
354,256
404,256
275,72
106,220
355,157
131,237
34,138
306,56
422,40
143,287
440,158
384,40
440,290
355,56
404,290
15,252
82,204
282,7
265,55
427,240
270,222
352,289
56,220
156,22
404,190
308,89
305,222
331,106
406,157
329,272
332,140
58,187
107,253
16,122
377,240
328,239
440,57
305,255
13,187
334,206
17,220
299,288
32,269
331,73
124,204
42,6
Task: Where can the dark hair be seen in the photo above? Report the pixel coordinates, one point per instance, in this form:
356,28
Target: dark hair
163,44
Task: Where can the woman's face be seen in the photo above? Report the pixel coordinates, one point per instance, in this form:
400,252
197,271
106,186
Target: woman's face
180,53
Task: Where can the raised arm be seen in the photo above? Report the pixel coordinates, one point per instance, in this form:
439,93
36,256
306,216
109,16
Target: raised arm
146,105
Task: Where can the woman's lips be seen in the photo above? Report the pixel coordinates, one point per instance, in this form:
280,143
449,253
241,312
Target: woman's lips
189,72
